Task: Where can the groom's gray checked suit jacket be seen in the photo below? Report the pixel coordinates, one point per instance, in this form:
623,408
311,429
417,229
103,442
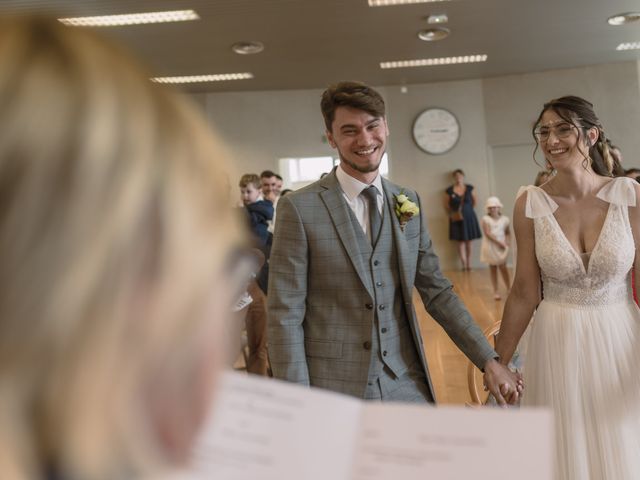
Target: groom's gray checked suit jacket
325,311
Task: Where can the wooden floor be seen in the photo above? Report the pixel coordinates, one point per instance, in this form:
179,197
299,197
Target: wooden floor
447,364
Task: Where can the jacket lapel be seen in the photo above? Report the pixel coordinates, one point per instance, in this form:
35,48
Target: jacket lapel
402,249
342,220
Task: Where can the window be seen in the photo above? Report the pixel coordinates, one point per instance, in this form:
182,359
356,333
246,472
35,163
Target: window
298,172
306,169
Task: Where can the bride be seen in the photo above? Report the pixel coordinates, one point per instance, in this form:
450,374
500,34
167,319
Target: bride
579,232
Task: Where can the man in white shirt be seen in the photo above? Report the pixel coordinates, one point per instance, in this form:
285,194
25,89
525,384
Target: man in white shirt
348,251
271,185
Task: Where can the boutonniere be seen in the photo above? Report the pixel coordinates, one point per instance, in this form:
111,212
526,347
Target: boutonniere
405,209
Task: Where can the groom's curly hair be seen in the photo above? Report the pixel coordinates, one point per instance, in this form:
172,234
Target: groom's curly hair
350,94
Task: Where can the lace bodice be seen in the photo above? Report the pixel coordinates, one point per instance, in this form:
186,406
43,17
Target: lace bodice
605,277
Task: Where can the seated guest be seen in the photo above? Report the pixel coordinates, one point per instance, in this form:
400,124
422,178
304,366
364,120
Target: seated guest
114,282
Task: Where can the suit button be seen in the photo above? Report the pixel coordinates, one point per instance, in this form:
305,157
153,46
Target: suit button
376,263
369,306
367,345
384,354
381,307
383,330
378,284
370,384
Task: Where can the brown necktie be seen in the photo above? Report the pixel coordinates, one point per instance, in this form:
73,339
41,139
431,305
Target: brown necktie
375,220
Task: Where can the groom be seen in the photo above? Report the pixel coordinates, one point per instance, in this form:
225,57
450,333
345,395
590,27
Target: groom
346,254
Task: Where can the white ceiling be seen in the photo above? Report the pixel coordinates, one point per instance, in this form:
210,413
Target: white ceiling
312,43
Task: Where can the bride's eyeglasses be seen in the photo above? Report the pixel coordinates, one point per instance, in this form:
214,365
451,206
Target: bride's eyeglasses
560,130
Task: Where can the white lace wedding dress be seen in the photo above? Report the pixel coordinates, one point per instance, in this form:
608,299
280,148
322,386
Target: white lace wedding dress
583,348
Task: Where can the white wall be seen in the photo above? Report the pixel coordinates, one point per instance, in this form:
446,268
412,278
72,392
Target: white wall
431,174
495,117
513,102
262,127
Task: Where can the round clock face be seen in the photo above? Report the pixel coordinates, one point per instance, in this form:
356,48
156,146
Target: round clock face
436,131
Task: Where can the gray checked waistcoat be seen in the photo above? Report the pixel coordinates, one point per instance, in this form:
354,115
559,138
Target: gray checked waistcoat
392,344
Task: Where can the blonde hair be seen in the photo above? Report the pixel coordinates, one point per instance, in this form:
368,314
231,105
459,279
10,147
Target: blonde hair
111,247
249,178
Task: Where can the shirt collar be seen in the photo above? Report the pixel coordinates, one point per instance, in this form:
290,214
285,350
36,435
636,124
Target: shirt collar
353,187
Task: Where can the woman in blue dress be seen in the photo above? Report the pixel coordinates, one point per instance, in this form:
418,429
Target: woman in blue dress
459,203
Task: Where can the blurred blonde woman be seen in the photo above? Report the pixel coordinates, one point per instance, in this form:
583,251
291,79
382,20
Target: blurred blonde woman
112,251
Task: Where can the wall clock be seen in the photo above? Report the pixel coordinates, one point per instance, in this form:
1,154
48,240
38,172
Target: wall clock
436,131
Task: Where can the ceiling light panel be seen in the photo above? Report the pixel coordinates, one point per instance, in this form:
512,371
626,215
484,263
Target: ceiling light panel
623,18
132,19
389,3
433,34
222,77
437,18
629,46
430,62
247,48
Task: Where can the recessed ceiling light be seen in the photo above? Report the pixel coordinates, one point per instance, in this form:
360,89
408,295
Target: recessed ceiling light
629,46
437,18
221,77
623,18
131,19
433,34
388,3
429,62
247,48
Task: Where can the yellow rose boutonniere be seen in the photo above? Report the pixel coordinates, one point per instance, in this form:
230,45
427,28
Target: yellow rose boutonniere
405,209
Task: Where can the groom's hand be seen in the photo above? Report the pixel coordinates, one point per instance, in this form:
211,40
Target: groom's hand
503,384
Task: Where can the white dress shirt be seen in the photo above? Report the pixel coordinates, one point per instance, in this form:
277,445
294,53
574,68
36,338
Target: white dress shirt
352,190
271,224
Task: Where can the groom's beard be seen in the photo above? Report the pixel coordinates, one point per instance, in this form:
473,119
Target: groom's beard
367,168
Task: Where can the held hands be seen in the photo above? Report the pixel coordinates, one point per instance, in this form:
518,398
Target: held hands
506,386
